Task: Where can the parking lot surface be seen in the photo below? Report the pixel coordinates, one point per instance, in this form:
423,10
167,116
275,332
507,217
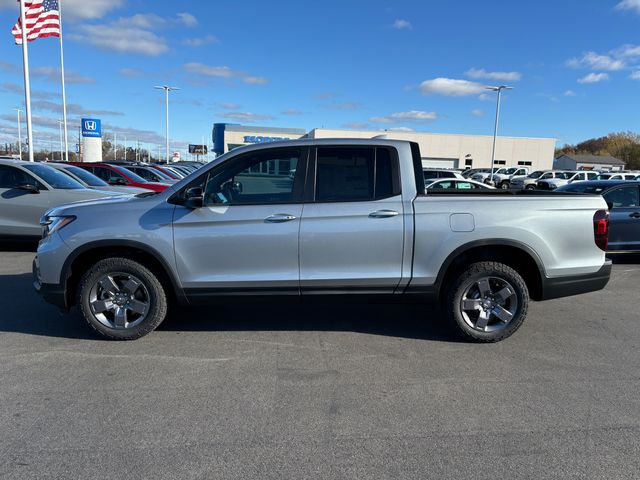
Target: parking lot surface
320,391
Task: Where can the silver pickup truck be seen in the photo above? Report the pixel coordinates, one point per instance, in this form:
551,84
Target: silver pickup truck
353,218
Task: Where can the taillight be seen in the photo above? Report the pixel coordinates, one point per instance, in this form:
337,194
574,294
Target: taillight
601,229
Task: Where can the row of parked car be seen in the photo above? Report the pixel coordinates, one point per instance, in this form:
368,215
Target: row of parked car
27,189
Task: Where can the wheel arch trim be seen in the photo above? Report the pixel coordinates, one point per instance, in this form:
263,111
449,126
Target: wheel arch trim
66,272
494,242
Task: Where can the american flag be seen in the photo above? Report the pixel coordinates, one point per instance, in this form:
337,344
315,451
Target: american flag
43,20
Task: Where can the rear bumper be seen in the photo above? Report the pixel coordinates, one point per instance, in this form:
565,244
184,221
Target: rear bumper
576,284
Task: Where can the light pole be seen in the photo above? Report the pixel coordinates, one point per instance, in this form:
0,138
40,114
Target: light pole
19,133
115,146
495,130
60,123
125,148
167,89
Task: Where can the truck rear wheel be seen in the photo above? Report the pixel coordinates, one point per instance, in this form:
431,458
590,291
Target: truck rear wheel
122,299
487,302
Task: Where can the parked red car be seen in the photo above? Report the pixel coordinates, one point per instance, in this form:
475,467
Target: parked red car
116,175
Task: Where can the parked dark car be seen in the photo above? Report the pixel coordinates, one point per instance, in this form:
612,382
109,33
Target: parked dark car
151,174
623,198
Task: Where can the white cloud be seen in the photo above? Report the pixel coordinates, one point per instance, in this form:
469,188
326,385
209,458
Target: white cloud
75,10
477,112
198,42
629,5
485,97
224,72
627,51
635,75
401,129
450,87
412,116
53,74
72,109
343,106
130,72
400,24
247,116
569,93
594,78
595,61
126,35
187,19
292,112
478,74
229,105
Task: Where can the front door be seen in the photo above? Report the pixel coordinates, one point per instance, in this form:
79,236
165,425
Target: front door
624,232
352,229
245,237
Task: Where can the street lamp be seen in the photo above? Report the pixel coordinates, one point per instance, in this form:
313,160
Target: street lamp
19,133
60,123
495,130
167,89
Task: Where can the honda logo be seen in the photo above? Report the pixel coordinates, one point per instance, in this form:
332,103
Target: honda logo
90,125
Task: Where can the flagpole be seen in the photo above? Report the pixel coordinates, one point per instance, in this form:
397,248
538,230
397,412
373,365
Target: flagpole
64,93
27,86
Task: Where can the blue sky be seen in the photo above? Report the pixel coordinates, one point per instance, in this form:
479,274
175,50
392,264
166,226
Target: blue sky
421,65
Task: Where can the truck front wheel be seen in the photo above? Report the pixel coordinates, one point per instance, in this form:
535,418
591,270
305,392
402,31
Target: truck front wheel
122,299
487,302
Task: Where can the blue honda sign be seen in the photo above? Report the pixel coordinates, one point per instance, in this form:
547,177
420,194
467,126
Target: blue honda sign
91,127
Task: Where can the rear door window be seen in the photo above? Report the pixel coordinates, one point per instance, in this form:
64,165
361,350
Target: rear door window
11,177
624,197
356,174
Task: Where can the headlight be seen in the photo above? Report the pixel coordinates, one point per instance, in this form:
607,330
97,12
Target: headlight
52,223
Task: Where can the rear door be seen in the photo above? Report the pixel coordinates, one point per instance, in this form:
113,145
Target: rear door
624,234
20,210
352,229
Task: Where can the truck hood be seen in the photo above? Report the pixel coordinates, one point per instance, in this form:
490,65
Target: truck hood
108,199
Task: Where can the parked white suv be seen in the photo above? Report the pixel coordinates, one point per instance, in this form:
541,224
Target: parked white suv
529,182
482,176
568,177
502,180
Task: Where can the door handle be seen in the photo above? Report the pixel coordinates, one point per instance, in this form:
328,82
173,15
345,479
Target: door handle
383,214
280,218
635,215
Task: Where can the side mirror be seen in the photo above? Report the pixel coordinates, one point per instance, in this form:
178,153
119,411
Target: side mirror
27,187
193,198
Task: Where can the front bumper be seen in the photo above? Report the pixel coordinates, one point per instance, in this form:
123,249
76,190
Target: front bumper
576,284
51,293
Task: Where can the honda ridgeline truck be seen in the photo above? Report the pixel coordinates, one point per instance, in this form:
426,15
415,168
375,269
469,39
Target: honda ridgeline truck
353,218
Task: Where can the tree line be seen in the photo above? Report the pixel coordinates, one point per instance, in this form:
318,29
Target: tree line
622,145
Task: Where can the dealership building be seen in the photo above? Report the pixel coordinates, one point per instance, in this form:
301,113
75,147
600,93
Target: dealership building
438,150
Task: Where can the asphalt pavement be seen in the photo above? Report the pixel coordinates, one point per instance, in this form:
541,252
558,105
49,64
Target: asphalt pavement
274,391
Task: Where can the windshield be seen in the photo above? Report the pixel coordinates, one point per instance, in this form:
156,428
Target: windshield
535,174
511,171
128,173
87,177
54,178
